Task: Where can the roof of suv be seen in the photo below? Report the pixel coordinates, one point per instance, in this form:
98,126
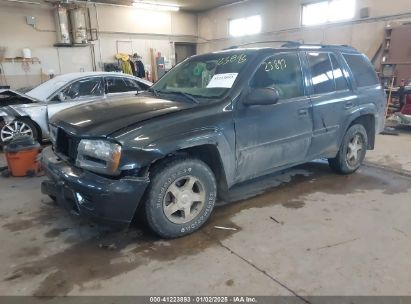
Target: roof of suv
291,46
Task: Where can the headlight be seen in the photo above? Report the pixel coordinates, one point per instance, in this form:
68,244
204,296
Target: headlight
100,156
53,134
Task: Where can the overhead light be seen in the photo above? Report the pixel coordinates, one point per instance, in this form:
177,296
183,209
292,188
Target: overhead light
24,2
156,6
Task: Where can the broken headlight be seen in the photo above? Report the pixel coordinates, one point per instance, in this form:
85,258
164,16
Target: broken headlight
53,134
99,156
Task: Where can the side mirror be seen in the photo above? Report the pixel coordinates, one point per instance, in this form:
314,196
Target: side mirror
61,96
262,96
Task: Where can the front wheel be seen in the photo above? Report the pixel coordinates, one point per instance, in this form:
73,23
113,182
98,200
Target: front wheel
16,128
352,151
180,198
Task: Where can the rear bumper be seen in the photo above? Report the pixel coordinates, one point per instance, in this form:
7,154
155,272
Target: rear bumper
108,201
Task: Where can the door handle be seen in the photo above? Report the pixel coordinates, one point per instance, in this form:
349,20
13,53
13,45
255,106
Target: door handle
302,112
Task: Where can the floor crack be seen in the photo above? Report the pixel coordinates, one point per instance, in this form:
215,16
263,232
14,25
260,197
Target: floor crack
261,270
337,244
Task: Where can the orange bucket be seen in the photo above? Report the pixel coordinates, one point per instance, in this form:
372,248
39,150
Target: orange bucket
22,157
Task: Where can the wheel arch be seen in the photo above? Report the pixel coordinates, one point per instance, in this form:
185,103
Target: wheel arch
208,153
35,124
368,121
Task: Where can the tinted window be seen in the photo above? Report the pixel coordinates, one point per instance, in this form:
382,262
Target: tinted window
282,72
142,86
339,78
84,88
120,85
132,84
321,73
364,74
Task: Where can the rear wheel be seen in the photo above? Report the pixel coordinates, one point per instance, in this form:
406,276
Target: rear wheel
180,198
352,151
16,128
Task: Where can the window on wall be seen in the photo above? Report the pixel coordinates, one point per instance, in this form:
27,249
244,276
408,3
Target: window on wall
328,11
245,26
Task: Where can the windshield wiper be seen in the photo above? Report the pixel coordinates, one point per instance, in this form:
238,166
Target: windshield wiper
186,95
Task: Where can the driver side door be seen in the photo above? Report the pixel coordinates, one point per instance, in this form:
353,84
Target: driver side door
76,93
269,137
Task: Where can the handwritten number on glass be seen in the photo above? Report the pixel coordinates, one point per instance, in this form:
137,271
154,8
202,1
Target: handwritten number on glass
232,59
277,64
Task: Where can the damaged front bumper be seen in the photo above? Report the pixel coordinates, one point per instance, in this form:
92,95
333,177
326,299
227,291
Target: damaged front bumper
105,200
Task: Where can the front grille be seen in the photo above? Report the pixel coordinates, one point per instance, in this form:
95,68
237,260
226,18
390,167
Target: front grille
67,145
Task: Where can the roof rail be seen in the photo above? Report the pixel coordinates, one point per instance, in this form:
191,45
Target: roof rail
260,42
288,44
314,45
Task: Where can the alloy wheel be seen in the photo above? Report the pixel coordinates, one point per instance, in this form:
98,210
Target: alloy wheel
14,129
355,147
184,200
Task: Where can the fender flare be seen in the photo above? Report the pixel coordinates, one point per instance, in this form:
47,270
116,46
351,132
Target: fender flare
364,109
170,145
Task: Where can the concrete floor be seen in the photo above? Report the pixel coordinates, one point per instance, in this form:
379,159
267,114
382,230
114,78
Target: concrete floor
311,233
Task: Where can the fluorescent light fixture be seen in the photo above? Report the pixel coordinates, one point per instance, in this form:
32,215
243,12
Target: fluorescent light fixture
155,6
24,2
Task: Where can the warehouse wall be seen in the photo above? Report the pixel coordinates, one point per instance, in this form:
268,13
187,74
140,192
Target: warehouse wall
281,20
121,28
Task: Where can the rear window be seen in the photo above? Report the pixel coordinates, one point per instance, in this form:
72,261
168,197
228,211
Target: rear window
321,72
362,70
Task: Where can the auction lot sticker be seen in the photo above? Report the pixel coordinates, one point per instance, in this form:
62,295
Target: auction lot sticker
223,80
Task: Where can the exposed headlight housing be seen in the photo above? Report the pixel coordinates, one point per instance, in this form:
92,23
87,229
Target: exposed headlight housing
53,134
99,156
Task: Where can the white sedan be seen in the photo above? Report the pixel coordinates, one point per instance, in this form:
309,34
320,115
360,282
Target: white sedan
28,114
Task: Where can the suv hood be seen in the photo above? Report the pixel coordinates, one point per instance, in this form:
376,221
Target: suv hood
106,117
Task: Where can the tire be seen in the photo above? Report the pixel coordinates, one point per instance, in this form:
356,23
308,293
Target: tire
180,198
352,151
20,126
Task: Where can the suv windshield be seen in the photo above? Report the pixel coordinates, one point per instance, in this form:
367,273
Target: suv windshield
208,76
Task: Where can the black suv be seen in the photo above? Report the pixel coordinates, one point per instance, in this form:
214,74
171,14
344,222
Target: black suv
213,121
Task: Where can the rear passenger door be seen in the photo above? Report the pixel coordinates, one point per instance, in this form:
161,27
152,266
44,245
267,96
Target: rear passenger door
332,98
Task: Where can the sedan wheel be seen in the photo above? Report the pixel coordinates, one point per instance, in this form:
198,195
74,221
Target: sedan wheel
15,129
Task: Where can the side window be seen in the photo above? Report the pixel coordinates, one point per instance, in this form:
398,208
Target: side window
120,85
282,72
90,87
321,72
340,80
362,70
132,84
143,86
